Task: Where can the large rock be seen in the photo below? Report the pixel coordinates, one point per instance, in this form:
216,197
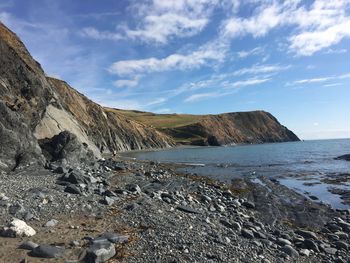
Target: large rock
17,228
345,157
100,252
66,146
47,251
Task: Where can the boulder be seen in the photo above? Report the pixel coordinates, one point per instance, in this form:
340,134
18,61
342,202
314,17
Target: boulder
100,252
47,251
65,147
17,228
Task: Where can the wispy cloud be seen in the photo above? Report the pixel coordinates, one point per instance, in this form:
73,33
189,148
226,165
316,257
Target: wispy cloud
261,69
100,35
323,79
126,82
198,58
251,52
250,82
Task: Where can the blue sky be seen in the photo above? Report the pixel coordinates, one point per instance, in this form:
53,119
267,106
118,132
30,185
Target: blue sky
291,58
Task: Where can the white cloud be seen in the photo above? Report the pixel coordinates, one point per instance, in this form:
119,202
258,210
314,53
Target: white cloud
247,53
100,35
323,79
159,20
201,57
335,51
318,26
250,82
126,82
260,69
201,96
314,80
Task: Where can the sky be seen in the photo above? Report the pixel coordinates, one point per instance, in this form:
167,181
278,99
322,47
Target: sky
290,58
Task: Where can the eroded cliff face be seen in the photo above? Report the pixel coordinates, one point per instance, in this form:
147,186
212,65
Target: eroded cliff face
108,130
233,128
34,107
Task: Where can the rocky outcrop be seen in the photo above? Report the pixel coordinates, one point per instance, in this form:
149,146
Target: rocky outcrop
66,148
233,128
33,106
107,129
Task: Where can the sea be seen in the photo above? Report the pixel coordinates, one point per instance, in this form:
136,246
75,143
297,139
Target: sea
303,166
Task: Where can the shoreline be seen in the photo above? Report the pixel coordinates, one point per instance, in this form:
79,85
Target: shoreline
170,217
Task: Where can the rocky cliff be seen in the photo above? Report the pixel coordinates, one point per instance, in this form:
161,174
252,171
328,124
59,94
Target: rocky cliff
34,107
233,128
221,129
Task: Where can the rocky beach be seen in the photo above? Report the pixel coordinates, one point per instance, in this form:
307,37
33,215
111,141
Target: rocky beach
118,210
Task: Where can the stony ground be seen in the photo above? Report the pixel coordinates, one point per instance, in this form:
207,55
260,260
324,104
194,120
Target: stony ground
126,211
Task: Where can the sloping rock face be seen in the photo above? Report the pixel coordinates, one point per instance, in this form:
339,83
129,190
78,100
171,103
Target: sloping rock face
108,130
233,128
33,106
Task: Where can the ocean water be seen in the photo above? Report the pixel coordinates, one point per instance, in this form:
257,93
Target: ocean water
299,165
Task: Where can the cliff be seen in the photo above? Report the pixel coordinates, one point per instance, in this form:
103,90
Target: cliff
34,107
215,130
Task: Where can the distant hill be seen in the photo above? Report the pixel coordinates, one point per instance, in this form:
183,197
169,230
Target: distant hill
221,129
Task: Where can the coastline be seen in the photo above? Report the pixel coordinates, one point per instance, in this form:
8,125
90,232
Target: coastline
171,217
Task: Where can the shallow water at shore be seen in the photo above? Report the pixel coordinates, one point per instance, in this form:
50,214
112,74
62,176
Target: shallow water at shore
294,164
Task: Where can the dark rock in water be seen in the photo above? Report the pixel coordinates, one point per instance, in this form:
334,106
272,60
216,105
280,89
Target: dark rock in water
46,251
72,189
345,157
100,252
187,209
66,146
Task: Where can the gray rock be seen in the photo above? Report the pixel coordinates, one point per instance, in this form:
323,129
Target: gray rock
111,237
51,223
100,252
247,233
306,234
108,201
330,250
72,189
47,251
290,251
283,242
249,205
134,188
28,245
305,252
309,244
341,245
